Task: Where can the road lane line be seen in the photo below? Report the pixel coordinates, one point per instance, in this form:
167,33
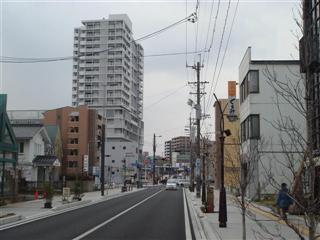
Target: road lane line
186,218
49,213
114,217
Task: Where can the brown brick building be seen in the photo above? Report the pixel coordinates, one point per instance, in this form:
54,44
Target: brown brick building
81,134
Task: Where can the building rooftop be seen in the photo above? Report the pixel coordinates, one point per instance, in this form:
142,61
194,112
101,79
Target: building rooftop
25,132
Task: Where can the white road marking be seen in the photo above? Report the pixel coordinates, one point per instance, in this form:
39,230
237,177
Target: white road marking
113,218
49,213
186,218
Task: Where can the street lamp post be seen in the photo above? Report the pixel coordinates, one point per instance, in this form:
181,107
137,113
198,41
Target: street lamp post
222,196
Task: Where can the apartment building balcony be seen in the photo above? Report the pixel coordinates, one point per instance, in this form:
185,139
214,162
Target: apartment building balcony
72,157
73,145
81,88
73,124
91,95
73,134
92,72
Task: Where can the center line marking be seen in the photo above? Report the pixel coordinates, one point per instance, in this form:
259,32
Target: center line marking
114,217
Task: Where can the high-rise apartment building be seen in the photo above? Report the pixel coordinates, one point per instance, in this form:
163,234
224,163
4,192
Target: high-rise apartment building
108,77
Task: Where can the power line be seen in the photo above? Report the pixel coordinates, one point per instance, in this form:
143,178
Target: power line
226,48
6,59
188,18
218,56
225,51
172,54
161,99
165,92
209,25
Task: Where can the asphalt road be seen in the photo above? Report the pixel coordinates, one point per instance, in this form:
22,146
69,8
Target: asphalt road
160,217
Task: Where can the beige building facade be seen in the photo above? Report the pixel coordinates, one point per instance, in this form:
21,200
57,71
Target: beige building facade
231,147
81,132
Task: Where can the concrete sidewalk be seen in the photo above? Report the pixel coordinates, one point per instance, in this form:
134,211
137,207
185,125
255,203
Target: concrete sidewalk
258,226
34,209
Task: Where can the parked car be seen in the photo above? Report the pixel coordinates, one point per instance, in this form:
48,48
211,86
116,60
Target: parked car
171,184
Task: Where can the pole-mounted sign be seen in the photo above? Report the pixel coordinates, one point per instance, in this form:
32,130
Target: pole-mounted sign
232,110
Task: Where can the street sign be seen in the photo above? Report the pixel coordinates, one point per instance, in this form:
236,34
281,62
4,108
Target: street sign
85,163
232,114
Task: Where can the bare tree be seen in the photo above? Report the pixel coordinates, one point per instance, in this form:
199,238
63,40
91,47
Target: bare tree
296,147
241,169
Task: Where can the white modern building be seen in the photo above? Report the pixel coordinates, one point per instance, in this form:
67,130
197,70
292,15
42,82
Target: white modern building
108,76
262,143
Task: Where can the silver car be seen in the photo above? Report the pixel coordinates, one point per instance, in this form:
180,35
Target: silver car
171,184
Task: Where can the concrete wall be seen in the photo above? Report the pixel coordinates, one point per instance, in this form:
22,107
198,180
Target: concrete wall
272,160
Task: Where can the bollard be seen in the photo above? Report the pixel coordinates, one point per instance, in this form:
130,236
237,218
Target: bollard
36,195
210,199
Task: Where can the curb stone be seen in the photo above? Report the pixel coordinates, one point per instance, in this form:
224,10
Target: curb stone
72,204
10,219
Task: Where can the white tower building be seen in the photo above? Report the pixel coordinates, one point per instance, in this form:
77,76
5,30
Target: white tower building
108,76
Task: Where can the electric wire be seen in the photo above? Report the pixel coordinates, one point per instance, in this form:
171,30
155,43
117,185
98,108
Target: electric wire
7,59
197,27
163,98
209,25
226,48
219,52
209,48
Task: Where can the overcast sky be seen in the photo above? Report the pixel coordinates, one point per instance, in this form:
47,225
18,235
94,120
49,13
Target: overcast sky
45,29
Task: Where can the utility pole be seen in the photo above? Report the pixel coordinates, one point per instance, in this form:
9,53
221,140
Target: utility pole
103,142
154,160
102,160
191,158
204,195
197,68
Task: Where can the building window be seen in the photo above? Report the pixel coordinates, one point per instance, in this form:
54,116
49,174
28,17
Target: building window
21,147
73,129
73,141
72,164
250,84
113,147
124,148
113,161
74,118
250,128
254,126
73,152
253,81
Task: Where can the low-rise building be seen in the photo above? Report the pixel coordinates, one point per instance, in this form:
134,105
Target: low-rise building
231,146
270,155
36,162
8,153
81,131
